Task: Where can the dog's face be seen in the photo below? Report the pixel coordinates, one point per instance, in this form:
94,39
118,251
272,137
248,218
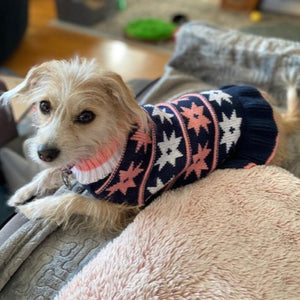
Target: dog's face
79,110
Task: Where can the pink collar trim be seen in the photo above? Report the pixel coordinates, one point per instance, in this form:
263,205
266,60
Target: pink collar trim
98,167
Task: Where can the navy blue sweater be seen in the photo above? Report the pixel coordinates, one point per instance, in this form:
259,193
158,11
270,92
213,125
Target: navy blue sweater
232,127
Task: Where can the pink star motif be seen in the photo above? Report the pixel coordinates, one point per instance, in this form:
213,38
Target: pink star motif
126,180
196,118
142,139
199,163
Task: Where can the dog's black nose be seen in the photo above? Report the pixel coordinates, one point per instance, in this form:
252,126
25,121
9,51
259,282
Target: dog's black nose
47,153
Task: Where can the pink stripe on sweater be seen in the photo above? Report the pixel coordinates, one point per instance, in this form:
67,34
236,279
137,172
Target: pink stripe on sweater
217,133
143,184
186,141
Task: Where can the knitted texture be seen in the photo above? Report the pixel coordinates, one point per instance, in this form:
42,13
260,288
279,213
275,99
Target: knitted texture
190,137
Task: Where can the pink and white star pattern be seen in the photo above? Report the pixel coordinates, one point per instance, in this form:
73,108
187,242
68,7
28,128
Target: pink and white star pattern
189,138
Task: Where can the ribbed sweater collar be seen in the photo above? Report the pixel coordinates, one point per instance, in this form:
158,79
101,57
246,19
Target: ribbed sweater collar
100,166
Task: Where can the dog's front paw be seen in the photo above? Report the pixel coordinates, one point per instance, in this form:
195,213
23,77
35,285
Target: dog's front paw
23,195
44,208
31,210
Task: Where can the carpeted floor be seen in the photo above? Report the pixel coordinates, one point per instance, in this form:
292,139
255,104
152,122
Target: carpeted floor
271,25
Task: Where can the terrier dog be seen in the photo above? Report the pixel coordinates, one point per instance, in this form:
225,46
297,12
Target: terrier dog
89,124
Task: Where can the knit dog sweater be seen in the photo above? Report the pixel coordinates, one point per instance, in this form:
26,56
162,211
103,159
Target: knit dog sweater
232,127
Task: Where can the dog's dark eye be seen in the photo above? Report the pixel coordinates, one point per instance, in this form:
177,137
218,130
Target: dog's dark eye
85,117
45,107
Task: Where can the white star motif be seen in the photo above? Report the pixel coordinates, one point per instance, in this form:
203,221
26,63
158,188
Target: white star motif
232,131
162,114
167,116
154,189
169,150
218,96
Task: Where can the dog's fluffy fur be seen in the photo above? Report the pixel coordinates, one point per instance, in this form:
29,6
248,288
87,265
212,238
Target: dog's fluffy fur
80,85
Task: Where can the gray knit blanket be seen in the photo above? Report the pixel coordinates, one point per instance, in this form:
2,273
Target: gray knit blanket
39,258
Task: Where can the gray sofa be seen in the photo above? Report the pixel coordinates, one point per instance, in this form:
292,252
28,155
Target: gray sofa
38,258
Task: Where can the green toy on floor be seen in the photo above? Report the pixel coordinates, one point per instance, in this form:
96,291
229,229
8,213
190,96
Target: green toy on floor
150,30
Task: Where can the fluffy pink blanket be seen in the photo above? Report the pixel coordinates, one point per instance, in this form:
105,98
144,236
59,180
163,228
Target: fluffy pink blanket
232,235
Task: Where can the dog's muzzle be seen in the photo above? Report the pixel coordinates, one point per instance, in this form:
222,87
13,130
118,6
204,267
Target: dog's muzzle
47,153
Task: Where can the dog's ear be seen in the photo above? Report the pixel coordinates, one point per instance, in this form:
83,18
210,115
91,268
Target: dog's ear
123,96
118,90
32,78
